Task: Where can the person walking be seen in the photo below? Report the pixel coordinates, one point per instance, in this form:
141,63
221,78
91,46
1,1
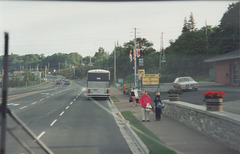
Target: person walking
124,89
145,101
134,95
158,110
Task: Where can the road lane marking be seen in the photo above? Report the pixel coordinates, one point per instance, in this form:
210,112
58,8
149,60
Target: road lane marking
13,104
34,103
42,99
74,99
44,93
67,107
53,122
23,107
39,136
61,113
71,103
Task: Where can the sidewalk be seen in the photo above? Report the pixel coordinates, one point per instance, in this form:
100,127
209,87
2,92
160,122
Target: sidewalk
179,137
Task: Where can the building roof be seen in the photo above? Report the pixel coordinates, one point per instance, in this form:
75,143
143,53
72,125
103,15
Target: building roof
227,56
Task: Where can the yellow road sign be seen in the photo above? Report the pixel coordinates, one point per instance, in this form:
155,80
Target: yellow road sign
140,73
150,79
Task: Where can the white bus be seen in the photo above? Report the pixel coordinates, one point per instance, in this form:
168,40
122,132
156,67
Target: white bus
98,83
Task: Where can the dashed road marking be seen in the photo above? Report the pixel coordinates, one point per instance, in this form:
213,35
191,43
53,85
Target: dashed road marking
67,107
39,136
23,107
53,122
42,99
33,103
71,103
61,113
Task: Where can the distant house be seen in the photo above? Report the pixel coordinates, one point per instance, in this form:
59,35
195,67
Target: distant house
227,68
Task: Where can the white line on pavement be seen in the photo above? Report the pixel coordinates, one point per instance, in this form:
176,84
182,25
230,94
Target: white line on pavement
53,122
39,136
42,99
71,103
34,103
67,107
61,113
23,107
74,99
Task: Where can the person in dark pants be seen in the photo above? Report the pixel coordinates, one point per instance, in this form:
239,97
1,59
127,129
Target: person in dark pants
158,112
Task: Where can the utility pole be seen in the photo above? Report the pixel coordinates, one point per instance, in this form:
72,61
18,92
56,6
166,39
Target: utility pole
135,59
48,66
45,72
115,64
58,65
161,50
206,34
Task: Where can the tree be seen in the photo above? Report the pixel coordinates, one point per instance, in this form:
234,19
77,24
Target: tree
185,26
230,18
100,55
192,23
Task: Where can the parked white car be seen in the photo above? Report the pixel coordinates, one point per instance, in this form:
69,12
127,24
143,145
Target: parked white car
185,83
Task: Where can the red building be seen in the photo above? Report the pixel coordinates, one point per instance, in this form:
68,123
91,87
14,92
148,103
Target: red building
227,68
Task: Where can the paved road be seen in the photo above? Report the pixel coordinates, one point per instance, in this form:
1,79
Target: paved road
66,122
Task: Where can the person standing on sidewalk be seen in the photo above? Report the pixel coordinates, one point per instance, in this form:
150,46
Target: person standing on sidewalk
134,95
144,100
158,111
124,89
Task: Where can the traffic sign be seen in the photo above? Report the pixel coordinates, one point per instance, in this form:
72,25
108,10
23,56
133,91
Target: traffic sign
140,73
150,79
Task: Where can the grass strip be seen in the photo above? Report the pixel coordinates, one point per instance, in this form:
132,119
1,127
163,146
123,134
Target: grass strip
154,144
114,99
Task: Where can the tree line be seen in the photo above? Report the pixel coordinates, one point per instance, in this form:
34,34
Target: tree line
184,57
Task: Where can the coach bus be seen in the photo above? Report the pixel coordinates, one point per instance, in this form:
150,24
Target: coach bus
98,83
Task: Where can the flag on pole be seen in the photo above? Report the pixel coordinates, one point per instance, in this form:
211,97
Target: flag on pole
133,54
130,55
138,51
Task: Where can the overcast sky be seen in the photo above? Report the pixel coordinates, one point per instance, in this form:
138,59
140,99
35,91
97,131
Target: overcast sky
52,27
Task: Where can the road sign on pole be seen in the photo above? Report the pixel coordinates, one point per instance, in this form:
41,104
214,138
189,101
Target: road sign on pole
140,73
150,79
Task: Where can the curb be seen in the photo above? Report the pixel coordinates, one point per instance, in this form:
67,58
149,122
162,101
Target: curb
138,146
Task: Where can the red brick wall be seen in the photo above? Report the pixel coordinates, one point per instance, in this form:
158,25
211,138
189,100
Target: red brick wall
222,72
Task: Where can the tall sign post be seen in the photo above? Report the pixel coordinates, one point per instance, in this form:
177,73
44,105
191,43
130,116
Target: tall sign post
135,59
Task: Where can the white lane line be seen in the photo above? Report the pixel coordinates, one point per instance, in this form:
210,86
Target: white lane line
23,107
53,122
13,104
47,97
74,99
71,103
67,107
42,99
34,103
61,113
39,136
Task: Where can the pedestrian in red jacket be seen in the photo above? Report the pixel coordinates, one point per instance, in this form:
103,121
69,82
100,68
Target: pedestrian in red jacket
124,89
143,101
